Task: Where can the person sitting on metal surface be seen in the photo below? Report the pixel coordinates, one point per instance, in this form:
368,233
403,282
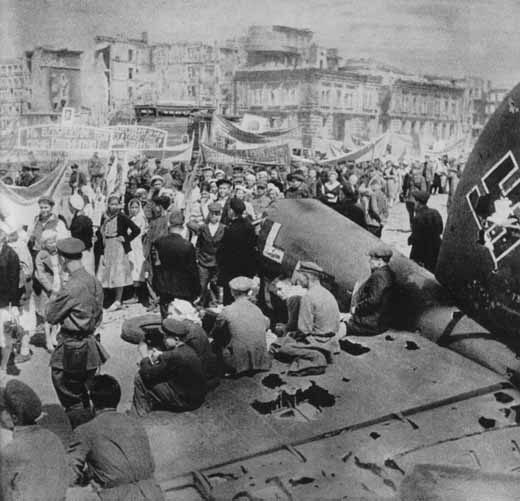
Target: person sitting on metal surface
371,300
193,335
426,234
311,346
78,307
112,451
239,333
33,462
171,377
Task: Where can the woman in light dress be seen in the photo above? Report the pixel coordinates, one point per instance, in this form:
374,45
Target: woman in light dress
136,255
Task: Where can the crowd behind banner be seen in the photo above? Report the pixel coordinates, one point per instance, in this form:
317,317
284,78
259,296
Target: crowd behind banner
182,240
120,227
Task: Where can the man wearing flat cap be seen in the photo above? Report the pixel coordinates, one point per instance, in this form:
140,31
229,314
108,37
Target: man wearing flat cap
312,344
78,308
175,272
171,378
426,237
239,333
237,255
45,220
33,464
371,303
297,186
209,239
192,334
223,198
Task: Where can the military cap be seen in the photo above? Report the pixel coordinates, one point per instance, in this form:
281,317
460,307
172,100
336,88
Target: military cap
173,327
141,191
241,284
22,401
214,207
76,201
47,200
310,267
261,185
421,196
70,247
206,168
220,182
157,178
238,168
176,218
35,167
237,205
219,171
381,251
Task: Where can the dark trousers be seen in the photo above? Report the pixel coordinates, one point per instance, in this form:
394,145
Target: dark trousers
410,207
375,230
208,284
72,392
164,302
158,397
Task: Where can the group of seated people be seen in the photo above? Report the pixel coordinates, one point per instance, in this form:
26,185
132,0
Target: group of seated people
184,361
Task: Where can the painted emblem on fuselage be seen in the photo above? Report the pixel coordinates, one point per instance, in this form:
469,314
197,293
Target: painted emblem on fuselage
495,205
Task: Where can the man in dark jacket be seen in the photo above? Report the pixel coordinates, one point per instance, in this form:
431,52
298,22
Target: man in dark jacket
171,379
33,465
9,291
209,239
237,255
426,234
113,450
175,273
371,301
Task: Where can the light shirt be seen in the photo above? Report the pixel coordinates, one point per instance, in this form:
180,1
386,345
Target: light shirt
319,312
213,228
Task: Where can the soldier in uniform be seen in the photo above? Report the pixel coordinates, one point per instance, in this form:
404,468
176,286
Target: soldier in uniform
371,300
78,308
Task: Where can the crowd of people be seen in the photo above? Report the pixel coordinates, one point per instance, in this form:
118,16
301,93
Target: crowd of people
182,243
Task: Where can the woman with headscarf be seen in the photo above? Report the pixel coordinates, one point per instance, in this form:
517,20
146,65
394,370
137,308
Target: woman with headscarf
116,233
136,254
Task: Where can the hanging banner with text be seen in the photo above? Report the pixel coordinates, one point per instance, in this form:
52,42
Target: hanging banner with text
64,138
136,137
278,155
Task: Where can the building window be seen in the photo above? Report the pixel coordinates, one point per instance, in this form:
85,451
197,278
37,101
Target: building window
130,93
130,54
130,73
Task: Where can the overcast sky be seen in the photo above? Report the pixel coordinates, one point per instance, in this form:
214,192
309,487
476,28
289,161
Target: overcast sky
448,37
